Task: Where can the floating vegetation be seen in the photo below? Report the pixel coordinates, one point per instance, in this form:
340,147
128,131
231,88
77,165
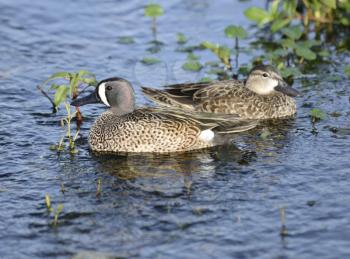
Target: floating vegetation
181,38
317,115
125,40
150,60
192,65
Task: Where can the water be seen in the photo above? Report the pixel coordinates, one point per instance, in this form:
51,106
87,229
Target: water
222,202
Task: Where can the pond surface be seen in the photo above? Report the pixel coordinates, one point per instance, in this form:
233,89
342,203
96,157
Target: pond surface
223,203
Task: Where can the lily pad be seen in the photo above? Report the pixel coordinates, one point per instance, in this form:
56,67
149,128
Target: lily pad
153,10
192,65
181,38
125,40
233,31
317,114
150,60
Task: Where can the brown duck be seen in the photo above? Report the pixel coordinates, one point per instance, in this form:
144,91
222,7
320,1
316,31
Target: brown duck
263,95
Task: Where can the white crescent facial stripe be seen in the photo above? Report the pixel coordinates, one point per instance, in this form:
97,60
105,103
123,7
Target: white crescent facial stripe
102,94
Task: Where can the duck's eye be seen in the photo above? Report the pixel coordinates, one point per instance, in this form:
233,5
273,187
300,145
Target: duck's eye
109,87
265,75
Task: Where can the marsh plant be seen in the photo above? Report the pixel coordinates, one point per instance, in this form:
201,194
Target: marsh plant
55,212
60,88
153,11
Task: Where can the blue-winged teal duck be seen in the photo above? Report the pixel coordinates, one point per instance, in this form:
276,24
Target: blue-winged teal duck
264,95
122,128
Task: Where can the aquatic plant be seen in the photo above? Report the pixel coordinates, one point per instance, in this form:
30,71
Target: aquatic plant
66,122
317,115
181,38
63,90
283,230
154,11
56,212
68,87
99,187
237,33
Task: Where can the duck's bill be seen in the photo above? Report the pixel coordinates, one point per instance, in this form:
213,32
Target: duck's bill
286,89
92,98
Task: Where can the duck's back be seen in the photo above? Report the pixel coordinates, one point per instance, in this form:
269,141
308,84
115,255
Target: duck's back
144,131
237,99
228,97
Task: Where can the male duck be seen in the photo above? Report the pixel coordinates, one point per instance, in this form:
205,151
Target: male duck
264,95
122,128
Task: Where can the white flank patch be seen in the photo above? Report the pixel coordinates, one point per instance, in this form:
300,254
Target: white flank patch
207,135
102,94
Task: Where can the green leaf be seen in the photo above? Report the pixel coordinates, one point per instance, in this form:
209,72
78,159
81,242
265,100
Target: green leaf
125,40
288,43
205,80
233,31
305,53
309,43
279,24
347,70
324,53
54,87
89,81
222,52
150,60
280,52
290,7
274,8
82,73
62,75
153,10
318,114
290,71
60,95
192,65
243,70
181,38
330,3
192,56
293,32
74,81
258,15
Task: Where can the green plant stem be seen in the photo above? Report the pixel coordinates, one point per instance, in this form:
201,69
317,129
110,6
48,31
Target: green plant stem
154,28
237,51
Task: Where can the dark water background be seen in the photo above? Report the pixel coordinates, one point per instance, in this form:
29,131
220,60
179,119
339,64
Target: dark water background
220,203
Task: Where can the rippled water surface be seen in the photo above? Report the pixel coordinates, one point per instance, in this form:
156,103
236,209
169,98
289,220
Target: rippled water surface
222,202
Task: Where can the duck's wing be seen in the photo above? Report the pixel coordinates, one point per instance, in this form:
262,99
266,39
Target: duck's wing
186,96
220,123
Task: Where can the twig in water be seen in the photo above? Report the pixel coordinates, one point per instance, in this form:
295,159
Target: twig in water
54,108
283,231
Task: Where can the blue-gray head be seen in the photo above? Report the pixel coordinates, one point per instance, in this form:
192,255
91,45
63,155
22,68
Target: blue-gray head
114,92
265,80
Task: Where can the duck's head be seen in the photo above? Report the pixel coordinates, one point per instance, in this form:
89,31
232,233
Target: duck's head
266,80
115,92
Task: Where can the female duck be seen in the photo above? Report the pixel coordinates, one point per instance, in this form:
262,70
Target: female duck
264,95
122,128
